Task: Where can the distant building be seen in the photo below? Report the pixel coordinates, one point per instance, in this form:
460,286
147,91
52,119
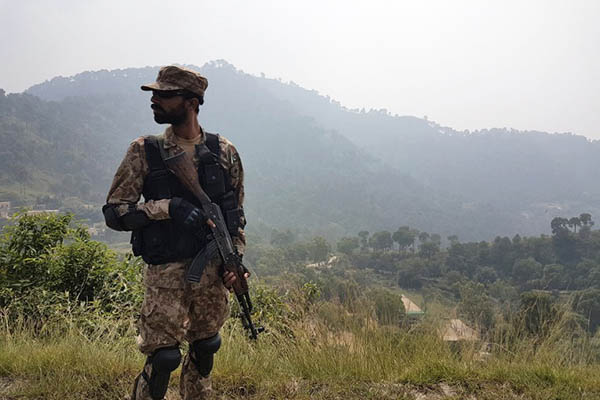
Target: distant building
412,310
97,229
325,264
456,330
38,212
4,209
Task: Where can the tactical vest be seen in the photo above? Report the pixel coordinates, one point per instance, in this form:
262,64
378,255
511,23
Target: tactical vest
165,241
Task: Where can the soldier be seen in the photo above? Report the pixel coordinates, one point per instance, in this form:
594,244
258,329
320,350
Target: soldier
169,228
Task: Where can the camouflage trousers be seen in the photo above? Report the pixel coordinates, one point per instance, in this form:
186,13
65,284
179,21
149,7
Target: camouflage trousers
175,310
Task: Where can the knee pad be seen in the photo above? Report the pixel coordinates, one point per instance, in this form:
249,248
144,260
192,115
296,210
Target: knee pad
203,353
164,361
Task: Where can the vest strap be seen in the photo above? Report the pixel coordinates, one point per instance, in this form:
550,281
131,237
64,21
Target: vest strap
154,146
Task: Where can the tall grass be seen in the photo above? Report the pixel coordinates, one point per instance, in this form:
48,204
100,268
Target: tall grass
67,360
310,351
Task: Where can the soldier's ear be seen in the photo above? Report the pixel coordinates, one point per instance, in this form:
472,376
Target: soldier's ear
193,103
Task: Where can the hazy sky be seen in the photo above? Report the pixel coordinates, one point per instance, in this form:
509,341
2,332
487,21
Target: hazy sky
528,64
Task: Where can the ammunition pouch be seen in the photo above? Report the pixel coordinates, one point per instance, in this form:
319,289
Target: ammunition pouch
164,241
234,215
235,219
212,179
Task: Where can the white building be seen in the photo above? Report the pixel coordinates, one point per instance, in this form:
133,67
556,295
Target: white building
4,209
456,330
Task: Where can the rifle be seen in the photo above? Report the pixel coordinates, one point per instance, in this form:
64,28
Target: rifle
182,166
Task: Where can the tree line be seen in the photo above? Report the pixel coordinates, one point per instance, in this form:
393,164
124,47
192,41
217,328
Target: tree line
539,276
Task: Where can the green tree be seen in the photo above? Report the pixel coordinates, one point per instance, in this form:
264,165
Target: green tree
318,249
405,237
429,249
364,239
410,273
347,245
453,239
563,241
586,219
574,223
296,252
580,275
475,306
381,240
44,253
271,261
586,225
559,225
554,277
282,238
486,275
26,244
525,270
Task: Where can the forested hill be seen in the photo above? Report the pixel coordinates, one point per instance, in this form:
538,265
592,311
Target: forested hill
503,167
314,165
298,175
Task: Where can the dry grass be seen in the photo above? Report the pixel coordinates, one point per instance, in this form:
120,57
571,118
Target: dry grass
329,357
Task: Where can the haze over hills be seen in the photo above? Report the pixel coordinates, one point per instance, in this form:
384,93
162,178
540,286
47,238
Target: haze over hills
298,175
310,163
499,166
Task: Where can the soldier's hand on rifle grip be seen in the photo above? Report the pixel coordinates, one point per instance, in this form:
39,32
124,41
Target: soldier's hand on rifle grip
229,279
185,213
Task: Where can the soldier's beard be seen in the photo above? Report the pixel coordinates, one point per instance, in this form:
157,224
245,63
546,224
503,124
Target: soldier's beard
174,117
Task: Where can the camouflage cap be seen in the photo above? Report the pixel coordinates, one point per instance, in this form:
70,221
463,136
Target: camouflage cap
177,78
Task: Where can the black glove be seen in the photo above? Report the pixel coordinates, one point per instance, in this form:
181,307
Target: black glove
185,213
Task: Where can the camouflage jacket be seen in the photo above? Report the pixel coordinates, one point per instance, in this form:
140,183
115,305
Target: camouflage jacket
129,179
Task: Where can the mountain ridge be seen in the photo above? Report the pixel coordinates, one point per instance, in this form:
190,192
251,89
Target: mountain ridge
432,183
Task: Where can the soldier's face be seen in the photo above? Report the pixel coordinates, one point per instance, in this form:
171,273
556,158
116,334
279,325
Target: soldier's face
168,108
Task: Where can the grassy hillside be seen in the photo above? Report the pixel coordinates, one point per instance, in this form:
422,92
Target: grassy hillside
68,307
320,362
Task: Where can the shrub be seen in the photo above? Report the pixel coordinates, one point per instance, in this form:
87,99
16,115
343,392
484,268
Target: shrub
49,267
538,312
389,307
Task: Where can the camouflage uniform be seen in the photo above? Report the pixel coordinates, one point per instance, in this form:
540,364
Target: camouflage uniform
174,309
